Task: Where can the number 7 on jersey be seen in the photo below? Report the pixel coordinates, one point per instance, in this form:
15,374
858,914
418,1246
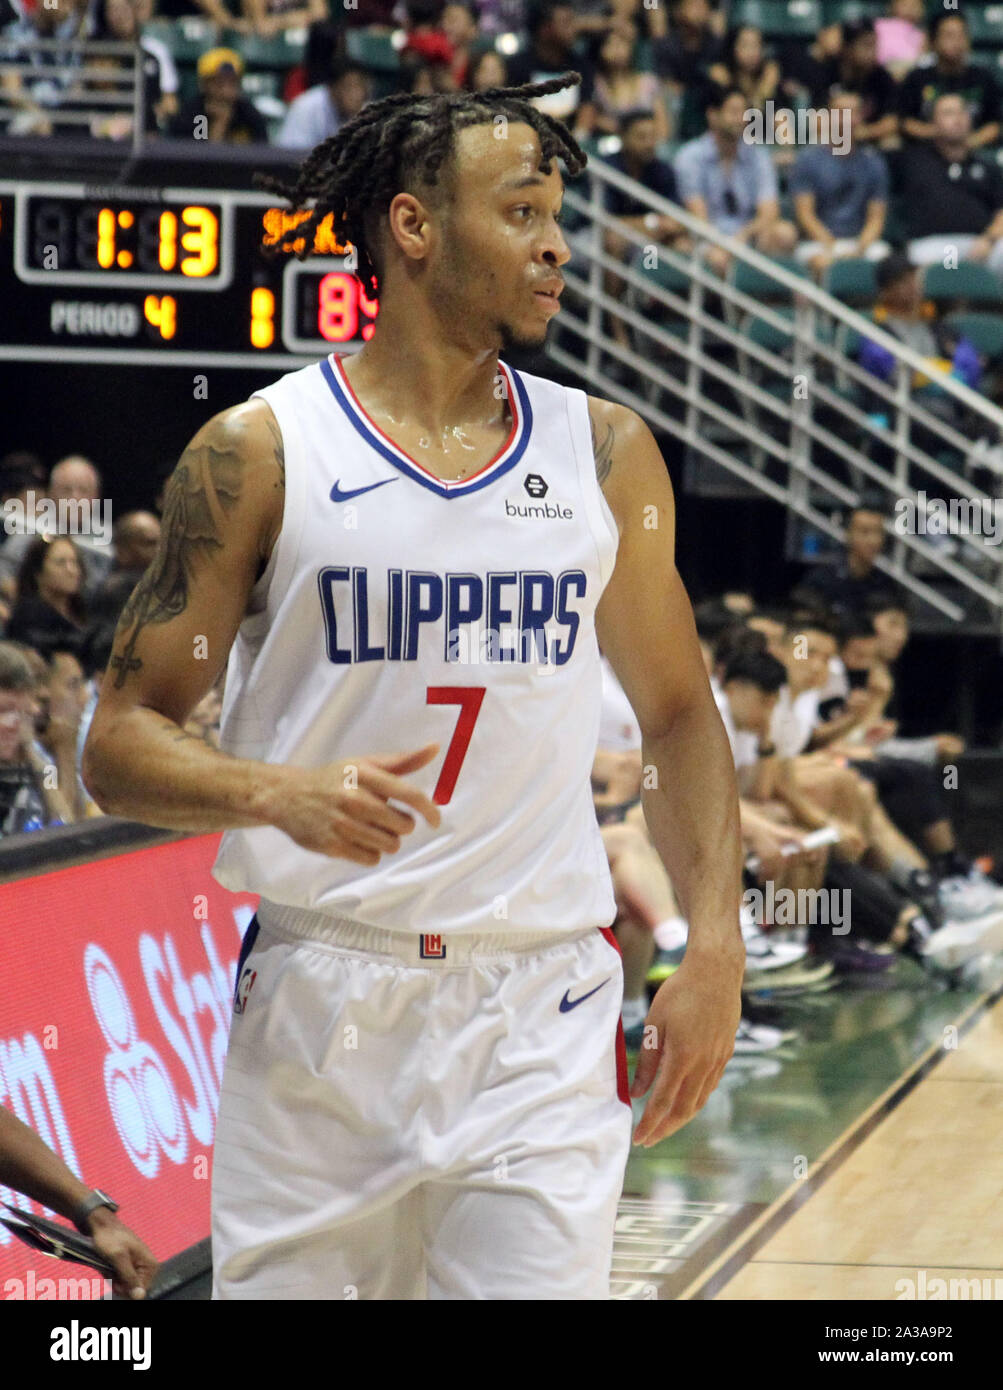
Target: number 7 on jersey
469,698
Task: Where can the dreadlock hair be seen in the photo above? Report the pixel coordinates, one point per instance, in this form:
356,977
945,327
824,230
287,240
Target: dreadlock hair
393,143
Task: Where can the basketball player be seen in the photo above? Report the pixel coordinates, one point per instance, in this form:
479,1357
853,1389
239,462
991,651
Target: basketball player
402,555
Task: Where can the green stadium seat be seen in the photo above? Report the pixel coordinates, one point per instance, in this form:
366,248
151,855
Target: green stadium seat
853,280
746,278
190,37
277,53
781,18
845,11
373,50
985,25
974,283
984,330
644,58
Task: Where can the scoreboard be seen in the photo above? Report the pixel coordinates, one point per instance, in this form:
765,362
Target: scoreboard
175,276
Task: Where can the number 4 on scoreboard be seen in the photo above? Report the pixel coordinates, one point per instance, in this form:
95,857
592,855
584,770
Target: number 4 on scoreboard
469,698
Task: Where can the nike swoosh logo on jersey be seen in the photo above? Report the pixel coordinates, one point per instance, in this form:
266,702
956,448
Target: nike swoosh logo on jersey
567,1004
337,495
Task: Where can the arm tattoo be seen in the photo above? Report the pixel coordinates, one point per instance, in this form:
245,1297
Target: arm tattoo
205,485
279,452
603,452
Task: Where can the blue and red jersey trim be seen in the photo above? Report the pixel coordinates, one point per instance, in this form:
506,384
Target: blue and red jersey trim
506,458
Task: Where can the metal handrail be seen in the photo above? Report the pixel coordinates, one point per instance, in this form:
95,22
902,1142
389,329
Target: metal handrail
87,101
705,332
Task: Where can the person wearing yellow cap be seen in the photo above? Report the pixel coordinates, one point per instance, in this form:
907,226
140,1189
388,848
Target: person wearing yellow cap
220,112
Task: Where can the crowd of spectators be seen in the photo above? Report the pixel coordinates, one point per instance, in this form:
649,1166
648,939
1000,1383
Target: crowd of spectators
808,694
65,577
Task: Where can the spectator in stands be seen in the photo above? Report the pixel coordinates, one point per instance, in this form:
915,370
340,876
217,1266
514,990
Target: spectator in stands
746,67
36,95
322,110
220,113
136,536
22,484
848,585
488,69
902,312
28,801
732,184
638,160
425,77
686,54
118,22
550,52
620,88
75,482
49,610
62,695
459,24
270,17
806,71
840,198
856,69
901,36
952,198
948,71
168,103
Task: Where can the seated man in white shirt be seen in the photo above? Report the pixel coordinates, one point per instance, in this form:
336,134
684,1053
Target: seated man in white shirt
321,111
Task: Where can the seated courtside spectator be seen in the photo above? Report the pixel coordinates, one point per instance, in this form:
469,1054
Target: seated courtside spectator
75,482
28,801
948,71
731,183
952,198
847,586
321,111
840,198
49,610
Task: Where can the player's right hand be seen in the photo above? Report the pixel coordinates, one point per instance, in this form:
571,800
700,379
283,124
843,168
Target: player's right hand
342,810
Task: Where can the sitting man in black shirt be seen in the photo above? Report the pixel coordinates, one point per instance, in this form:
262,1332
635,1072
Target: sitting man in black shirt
28,798
949,71
847,586
952,199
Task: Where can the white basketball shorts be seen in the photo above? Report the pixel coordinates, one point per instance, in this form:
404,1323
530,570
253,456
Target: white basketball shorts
408,1117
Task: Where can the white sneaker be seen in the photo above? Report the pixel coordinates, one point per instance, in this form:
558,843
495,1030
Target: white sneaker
968,895
759,1037
764,953
959,941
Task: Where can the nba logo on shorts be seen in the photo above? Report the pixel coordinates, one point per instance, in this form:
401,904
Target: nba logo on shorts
431,947
246,982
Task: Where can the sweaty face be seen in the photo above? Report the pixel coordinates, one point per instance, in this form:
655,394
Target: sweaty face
500,242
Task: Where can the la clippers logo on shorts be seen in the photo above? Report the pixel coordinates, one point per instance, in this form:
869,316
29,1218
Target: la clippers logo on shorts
243,990
431,948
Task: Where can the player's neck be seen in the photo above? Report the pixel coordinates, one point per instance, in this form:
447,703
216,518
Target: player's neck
398,376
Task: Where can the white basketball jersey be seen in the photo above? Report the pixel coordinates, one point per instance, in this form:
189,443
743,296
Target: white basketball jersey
398,610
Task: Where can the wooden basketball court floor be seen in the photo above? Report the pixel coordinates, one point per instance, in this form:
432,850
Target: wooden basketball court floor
863,1160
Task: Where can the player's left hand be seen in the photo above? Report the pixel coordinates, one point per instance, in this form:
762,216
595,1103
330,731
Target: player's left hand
689,1039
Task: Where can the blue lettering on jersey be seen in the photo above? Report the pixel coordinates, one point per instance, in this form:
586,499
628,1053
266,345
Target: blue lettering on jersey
504,616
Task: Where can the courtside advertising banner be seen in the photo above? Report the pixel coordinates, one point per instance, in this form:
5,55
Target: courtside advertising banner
116,988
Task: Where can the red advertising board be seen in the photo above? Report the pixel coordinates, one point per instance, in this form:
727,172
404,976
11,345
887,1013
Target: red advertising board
116,983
